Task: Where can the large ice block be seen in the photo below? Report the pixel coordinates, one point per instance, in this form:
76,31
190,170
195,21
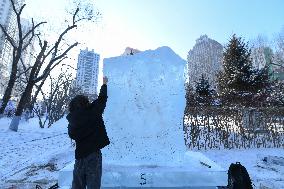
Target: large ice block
144,121
145,108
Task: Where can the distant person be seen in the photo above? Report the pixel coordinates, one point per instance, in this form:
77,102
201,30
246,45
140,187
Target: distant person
86,127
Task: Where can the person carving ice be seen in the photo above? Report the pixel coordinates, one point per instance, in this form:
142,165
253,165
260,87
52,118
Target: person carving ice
86,127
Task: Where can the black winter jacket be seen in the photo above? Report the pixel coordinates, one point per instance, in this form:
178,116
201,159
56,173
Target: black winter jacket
86,126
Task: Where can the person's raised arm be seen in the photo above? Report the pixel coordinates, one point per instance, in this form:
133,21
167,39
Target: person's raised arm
103,92
102,98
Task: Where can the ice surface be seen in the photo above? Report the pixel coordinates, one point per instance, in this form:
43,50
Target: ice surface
144,112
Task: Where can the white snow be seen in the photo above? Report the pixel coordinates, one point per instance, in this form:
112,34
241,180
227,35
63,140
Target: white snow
145,107
263,174
33,154
144,122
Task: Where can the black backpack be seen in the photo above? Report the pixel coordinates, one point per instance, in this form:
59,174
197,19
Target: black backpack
238,177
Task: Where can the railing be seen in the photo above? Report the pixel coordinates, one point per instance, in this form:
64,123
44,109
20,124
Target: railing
225,127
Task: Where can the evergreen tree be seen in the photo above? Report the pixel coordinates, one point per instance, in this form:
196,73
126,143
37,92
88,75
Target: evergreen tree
203,87
261,79
237,64
203,92
276,93
239,82
189,96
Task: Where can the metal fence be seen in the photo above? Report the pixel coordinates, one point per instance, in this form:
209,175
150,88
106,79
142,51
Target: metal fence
219,128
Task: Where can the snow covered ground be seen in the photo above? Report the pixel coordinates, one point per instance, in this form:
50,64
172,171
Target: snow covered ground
263,175
34,156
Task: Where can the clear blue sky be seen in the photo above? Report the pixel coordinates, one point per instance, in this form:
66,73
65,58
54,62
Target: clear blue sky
148,24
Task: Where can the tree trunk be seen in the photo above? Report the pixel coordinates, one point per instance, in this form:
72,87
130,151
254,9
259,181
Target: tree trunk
17,52
8,91
15,123
33,99
7,96
20,108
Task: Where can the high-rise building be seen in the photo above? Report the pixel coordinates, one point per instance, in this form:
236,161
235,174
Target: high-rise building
27,55
204,58
8,21
87,72
5,11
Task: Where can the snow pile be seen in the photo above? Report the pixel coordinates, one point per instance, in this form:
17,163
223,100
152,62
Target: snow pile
145,108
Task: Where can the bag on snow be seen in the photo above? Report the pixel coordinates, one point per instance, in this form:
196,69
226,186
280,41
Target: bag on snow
238,177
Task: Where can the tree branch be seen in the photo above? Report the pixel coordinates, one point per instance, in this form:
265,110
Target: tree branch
25,69
8,37
60,39
21,9
39,40
74,16
48,70
38,62
65,52
33,29
14,8
276,64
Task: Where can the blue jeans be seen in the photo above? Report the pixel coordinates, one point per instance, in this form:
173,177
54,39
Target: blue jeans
88,172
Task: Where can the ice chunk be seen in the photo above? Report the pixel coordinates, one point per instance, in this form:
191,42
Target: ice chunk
145,108
144,120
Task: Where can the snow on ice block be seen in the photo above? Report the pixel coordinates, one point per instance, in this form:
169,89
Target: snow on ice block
144,121
66,176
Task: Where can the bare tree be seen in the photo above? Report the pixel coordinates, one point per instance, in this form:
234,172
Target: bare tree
278,59
56,100
19,43
38,110
261,52
47,59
